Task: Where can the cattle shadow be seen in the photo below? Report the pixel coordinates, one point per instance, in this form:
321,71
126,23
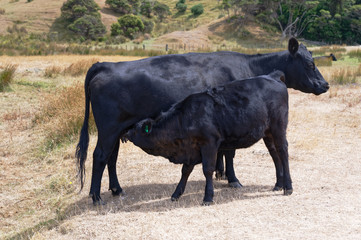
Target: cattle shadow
156,198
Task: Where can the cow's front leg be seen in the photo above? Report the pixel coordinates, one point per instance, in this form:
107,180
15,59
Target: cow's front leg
209,158
186,171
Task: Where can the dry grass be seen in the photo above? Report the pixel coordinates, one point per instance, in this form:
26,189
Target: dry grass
39,198
7,76
80,68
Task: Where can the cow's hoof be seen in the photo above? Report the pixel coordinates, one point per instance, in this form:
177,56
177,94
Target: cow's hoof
288,192
117,192
235,185
174,199
277,188
206,203
99,202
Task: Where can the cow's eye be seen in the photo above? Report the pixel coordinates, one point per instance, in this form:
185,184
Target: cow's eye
312,65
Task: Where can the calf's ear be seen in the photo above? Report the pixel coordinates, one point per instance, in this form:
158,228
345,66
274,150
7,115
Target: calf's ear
293,46
147,127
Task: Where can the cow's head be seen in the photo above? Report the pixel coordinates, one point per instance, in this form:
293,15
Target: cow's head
301,71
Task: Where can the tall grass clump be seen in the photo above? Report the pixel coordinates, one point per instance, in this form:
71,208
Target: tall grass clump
355,54
326,62
63,116
80,67
52,71
344,76
7,76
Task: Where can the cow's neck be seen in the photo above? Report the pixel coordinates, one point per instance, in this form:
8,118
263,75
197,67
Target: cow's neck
263,64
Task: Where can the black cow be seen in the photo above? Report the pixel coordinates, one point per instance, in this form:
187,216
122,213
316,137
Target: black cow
236,115
121,94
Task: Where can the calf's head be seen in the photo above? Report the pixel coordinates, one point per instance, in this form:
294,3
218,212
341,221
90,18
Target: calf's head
301,71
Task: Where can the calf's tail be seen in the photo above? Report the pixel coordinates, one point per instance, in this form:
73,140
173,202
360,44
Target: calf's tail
82,147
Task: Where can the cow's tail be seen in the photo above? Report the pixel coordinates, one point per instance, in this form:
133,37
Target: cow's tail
82,147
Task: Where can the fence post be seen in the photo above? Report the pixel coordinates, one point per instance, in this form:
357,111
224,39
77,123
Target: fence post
166,47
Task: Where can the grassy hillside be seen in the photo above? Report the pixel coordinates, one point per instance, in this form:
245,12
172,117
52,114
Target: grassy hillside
209,27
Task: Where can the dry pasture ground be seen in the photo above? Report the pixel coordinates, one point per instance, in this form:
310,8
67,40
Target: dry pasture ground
39,198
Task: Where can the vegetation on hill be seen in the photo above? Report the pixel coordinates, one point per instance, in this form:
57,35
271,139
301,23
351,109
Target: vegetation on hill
335,21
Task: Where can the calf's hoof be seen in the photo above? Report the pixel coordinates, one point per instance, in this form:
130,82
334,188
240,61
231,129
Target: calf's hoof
235,185
288,192
207,203
220,175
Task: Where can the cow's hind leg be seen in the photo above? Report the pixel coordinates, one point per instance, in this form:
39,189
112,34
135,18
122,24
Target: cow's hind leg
102,153
220,174
268,140
231,176
112,170
186,171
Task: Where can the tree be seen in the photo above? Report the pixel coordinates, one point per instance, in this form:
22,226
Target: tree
146,8
197,9
181,6
226,6
161,10
74,9
128,26
83,18
293,16
88,26
119,6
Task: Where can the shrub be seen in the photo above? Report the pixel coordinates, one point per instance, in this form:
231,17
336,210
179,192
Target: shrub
119,6
7,76
2,11
89,27
161,10
181,6
83,18
52,71
197,9
127,25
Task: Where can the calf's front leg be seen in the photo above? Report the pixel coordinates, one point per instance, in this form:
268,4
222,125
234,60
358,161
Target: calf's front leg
186,171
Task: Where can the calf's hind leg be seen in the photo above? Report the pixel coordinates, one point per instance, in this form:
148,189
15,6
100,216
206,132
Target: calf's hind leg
268,140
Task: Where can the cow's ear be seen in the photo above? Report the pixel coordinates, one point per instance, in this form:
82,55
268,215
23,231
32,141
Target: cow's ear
147,127
293,46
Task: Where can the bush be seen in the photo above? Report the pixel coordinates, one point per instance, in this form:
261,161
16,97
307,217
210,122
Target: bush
197,9
7,76
89,27
83,18
52,71
127,25
119,6
2,11
181,6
